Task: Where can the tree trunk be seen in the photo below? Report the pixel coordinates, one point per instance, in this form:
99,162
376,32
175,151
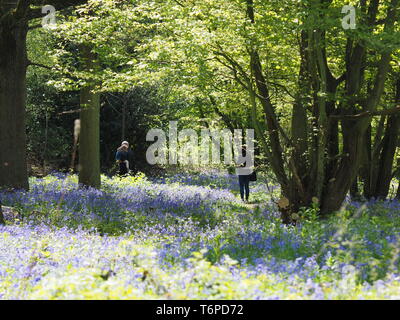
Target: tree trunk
89,143
275,155
320,167
367,164
2,221
346,173
354,131
13,64
389,146
123,129
14,18
386,159
300,128
354,192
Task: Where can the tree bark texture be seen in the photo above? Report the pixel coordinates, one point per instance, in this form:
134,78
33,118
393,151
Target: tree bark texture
13,64
89,143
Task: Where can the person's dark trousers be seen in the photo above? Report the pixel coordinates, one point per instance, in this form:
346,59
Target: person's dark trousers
244,186
123,170
131,159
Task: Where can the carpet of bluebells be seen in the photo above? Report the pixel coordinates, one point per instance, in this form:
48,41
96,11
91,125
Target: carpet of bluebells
190,237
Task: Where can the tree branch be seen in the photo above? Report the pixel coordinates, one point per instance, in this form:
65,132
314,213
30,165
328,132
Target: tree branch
366,114
69,112
30,63
179,3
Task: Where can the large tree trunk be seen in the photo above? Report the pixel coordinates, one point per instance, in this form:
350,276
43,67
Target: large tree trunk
13,64
354,130
386,159
272,124
320,168
300,128
14,17
354,133
346,173
367,163
384,170
123,124
89,143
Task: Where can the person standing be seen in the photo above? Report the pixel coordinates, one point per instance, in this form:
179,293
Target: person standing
244,179
122,158
244,184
